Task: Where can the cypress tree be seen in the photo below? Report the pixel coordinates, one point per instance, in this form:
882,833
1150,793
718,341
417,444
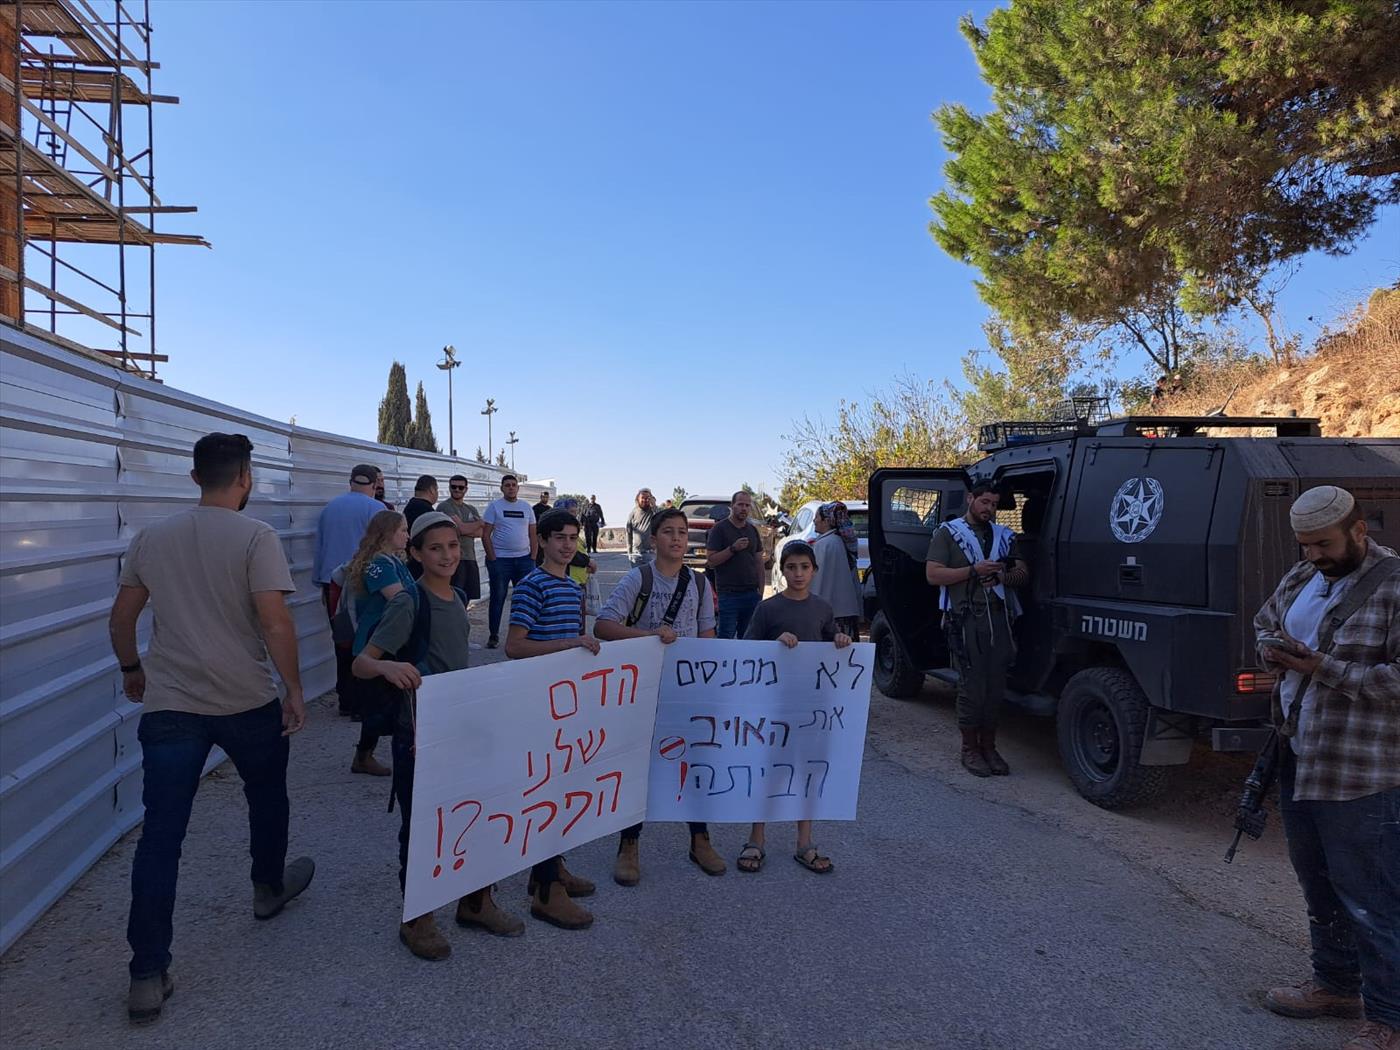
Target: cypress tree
395,415
423,437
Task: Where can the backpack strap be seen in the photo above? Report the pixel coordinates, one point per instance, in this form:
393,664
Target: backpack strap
643,596
673,607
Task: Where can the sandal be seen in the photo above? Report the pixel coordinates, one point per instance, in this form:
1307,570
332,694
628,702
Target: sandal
751,857
811,859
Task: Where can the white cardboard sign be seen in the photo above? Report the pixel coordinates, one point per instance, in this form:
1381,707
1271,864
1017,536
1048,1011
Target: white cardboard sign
521,760
757,731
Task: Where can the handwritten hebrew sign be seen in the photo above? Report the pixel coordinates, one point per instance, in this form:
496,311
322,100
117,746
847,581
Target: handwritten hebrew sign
521,760
756,731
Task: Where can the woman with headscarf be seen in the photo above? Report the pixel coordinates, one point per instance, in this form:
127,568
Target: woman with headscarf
835,546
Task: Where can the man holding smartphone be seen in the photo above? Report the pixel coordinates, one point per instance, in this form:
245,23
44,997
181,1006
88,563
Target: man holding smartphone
1333,628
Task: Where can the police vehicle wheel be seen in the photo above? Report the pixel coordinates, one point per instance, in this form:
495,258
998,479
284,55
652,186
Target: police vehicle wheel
1100,723
895,676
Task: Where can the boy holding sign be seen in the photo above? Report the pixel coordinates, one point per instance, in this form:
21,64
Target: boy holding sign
667,600
792,616
424,630
546,616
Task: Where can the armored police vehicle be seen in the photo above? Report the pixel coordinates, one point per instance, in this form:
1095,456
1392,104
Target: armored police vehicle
1151,543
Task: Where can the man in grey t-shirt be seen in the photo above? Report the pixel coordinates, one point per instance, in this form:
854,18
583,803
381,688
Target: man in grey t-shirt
469,529
693,617
735,563
217,583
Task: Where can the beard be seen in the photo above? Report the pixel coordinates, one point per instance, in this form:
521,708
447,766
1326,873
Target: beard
1348,563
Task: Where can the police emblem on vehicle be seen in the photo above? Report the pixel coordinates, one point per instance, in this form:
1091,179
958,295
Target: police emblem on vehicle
1136,509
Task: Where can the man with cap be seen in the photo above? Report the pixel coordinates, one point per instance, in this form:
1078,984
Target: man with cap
1332,628
338,532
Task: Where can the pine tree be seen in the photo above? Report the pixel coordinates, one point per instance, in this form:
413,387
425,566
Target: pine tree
480,455
501,458
423,437
395,415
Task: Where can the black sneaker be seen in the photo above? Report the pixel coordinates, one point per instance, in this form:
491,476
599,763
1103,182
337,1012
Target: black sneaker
492,642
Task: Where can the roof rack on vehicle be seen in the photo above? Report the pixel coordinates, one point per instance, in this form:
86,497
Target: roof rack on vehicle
1023,432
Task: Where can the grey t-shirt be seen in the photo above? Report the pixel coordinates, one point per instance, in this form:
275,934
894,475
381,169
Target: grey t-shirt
448,634
810,619
695,616
202,567
943,549
465,513
744,570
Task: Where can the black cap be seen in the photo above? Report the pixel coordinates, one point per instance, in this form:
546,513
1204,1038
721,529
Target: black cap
363,474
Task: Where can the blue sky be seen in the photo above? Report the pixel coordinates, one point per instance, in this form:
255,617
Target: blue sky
656,233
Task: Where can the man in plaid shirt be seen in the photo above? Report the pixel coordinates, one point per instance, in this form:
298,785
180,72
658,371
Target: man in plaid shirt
1337,706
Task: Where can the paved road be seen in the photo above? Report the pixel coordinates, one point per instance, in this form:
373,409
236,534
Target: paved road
954,919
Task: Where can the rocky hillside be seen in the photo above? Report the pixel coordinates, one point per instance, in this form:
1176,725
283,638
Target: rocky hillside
1350,380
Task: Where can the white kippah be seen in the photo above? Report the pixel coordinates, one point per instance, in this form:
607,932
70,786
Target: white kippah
1320,507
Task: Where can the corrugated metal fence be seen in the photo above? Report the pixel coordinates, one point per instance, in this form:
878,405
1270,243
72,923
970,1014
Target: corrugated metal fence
89,455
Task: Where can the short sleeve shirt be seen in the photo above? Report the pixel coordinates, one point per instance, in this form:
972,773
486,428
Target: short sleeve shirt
510,521
743,571
465,513
549,607
943,549
811,619
339,530
383,571
695,616
202,567
449,631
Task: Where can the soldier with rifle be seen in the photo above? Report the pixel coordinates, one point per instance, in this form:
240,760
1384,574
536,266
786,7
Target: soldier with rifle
1332,628
975,564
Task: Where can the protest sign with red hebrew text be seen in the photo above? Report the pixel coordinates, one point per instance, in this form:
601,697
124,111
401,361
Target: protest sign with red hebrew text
757,731
521,760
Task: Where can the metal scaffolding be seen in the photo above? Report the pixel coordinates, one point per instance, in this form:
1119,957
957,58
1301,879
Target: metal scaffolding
77,168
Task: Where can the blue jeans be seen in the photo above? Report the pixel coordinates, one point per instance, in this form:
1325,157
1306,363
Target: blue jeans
1347,858
735,611
503,572
174,748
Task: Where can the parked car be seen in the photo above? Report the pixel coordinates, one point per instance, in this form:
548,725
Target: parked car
701,513
804,527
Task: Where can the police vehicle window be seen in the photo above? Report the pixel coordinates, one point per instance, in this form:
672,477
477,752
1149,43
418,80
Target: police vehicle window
915,508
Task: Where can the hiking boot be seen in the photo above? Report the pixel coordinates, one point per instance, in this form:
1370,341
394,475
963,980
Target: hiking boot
492,642
704,855
627,869
988,740
365,762
1373,1035
424,939
1311,999
296,876
147,997
559,910
972,758
479,909
575,885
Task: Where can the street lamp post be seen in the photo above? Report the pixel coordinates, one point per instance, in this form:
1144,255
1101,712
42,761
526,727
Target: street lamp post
512,443
489,411
447,364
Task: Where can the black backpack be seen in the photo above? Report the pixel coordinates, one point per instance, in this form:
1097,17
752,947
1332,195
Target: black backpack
380,702
639,607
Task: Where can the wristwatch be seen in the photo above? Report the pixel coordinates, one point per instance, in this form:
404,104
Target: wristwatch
131,668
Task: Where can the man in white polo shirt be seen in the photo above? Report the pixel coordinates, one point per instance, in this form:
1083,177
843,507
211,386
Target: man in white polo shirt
508,536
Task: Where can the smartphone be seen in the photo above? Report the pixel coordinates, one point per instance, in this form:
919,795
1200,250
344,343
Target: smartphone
1273,641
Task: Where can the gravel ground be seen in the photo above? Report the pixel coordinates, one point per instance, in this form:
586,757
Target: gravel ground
962,913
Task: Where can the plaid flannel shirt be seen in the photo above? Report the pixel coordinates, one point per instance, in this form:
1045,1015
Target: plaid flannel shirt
1353,746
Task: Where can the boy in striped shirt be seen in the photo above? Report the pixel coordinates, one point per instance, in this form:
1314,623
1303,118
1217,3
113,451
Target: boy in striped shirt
546,616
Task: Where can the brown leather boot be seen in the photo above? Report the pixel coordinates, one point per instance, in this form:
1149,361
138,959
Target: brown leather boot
424,939
575,885
479,909
972,758
365,762
558,909
1373,1035
627,869
988,740
1311,999
704,855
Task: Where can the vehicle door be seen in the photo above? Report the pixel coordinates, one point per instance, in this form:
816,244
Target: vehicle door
906,505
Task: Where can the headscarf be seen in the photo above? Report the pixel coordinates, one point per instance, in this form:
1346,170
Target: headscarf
566,503
840,518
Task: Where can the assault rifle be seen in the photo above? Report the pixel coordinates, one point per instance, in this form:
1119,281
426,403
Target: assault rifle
1250,815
